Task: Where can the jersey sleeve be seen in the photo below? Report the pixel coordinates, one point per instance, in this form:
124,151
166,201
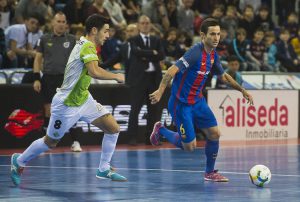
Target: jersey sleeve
189,58
88,53
217,67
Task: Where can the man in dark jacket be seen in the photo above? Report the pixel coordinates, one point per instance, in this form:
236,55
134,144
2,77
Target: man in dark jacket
144,75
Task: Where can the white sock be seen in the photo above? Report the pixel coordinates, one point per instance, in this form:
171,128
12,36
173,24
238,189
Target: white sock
108,147
36,148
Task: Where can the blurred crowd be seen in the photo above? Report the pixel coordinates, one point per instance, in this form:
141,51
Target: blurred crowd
259,39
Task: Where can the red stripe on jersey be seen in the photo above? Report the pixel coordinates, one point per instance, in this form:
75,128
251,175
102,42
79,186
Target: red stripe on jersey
212,59
181,84
198,80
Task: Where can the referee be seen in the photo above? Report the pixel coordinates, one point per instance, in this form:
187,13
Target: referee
52,55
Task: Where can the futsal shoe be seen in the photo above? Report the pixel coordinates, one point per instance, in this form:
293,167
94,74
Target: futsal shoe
76,147
110,174
155,136
214,176
16,170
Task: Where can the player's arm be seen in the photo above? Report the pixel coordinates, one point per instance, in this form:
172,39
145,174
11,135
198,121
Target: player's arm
226,78
99,73
37,67
169,75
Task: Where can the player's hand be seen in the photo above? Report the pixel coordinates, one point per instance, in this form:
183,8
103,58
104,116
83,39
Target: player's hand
37,86
248,97
120,78
155,97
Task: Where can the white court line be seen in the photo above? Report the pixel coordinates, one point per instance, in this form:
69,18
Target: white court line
148,169
158,149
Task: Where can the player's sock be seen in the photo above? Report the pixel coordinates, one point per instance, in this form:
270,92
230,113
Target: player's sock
211,152
172,137
37,147
108,147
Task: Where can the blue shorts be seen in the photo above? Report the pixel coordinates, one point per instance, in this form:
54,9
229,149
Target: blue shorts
187,116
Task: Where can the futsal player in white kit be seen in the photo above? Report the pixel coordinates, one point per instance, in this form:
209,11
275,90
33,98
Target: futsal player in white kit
73,102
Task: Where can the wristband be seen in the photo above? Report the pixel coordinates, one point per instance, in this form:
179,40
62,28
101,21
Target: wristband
36,76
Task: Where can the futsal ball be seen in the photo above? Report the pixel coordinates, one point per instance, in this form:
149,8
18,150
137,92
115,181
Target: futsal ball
260,175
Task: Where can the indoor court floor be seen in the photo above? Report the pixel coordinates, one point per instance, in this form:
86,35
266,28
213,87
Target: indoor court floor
157,174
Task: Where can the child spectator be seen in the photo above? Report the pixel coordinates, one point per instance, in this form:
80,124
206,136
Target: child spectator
171,47
233,71
271,51
230,22
292,24
295,42
256,52
238,48
247,21
263,19
286,53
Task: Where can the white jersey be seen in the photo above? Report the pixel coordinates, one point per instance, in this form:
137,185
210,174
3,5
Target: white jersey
76,79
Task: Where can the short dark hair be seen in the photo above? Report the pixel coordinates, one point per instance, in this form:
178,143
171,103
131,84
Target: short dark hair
95,20
208,22
232,58
36,16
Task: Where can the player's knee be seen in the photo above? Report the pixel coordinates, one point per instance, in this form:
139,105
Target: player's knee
215,135
50,142
114,129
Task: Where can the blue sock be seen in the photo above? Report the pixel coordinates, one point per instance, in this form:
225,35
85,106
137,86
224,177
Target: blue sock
211,152
172,137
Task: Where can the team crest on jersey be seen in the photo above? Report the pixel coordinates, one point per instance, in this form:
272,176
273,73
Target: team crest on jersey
67,44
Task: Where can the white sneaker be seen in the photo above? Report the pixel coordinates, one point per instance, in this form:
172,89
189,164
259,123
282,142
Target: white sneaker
76,147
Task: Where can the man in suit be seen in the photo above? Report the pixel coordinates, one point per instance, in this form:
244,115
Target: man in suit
144,75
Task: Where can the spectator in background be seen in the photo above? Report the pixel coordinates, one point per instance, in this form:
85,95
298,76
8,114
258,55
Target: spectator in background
75,11
132,10
2,46
247,21
77,31
186,16
233,70
112,45
263,19
26,8
124,54
295,42
157,12
115,12
286,53
18,48
230,21
184,40
292,24
171,6
255,4
238,47
218,12
222,48
171,47
97,8
6,13
144,76
256,52
271,51
51,58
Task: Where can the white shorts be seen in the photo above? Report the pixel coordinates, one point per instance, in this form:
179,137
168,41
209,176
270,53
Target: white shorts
64,117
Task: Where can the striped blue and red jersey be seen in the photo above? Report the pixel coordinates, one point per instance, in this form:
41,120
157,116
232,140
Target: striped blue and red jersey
194,67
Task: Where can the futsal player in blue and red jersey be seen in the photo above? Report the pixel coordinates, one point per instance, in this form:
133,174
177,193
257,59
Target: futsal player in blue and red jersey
187,105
